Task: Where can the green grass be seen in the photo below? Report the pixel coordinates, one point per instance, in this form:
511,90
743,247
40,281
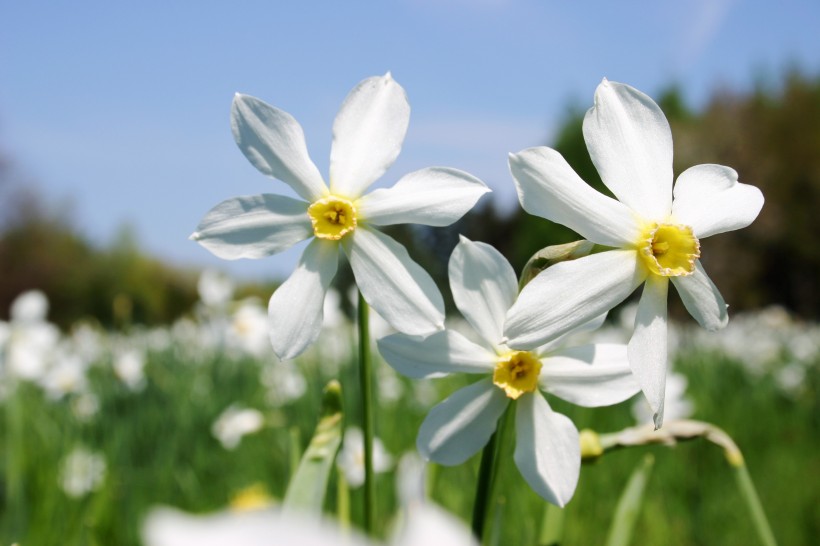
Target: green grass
159,450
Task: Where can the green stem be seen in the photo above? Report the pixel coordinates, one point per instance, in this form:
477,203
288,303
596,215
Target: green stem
366,386
552,528
749,494
487,472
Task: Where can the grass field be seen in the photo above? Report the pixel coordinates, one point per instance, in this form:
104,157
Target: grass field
147,437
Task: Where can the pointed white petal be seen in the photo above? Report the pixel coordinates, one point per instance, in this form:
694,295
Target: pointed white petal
711,200
547,449
484,287
702,299
295,311
548,187
565,339
630,143
367,134
273,141
590,376
437,196
569,294
395,286
253,226
647,348
431,525
461,425
436,355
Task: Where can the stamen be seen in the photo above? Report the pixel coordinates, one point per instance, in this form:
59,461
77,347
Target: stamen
517,373
669,250
332,217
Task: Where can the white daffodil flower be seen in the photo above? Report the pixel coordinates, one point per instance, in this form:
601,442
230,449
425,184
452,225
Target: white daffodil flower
547,448
367,136
655,230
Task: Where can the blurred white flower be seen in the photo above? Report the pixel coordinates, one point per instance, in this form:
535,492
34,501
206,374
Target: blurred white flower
85,406
65,376
234,423
29,307
790,378
285,383
30,340
215,288
350,459
129,366
248,329
82,472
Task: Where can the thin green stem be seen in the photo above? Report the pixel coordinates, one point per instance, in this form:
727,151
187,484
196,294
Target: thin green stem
487,472
367,397
552,527
749,494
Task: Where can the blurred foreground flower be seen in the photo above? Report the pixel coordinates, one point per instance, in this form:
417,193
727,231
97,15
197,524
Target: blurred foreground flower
367,135
234,423
82,472
657,238
350,459
547,450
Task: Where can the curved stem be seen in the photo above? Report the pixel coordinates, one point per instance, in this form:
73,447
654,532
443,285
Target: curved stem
366,386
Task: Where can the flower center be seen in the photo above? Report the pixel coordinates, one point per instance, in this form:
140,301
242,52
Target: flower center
517,373
669,250
332,217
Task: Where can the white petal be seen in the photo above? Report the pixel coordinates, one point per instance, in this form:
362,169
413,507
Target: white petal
590,376
711,200
630,143
273,141
461,425
547,449
367,134
431,525
395,286
436,355
548,187
702,299
565,339
569,294
484,287
253,226
647,348
437,196
295,310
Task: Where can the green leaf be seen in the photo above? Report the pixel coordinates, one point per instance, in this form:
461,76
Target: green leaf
307,488
629,505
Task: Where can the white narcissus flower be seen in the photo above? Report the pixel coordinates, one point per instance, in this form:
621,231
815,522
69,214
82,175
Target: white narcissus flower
655,231
367,136
82,472
547,448
234,423
350,459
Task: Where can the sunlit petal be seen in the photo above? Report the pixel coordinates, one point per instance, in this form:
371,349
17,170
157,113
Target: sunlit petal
647,348
702,299
395,286
295,310
548,187
630,143
273,141
711,200
436,355
367,134
457,428
253,226
547,449
437,196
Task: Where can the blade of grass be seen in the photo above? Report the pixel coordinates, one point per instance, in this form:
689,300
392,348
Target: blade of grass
629,505
307,488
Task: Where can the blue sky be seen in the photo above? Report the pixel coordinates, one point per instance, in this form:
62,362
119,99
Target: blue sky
122,109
